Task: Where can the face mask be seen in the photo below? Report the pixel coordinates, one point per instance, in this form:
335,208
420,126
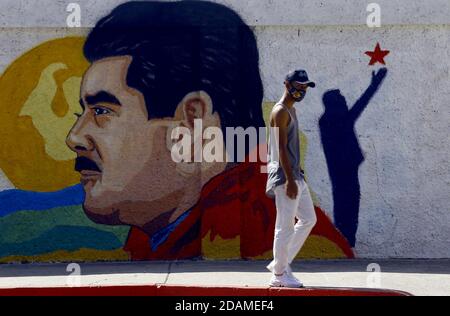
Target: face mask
298,95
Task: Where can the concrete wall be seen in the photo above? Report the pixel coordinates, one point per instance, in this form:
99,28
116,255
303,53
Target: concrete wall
403,132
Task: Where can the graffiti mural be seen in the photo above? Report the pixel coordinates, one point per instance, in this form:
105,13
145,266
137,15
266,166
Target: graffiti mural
88,143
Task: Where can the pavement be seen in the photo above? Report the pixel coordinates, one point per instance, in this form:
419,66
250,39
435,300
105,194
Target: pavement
417,277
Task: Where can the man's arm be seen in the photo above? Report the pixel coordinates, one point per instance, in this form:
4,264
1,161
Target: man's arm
281,121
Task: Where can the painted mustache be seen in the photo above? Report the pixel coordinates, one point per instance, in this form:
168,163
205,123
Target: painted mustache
84,163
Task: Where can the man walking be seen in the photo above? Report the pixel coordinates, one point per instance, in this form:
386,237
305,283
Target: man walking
286,182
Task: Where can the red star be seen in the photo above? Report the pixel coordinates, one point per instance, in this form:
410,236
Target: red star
377,55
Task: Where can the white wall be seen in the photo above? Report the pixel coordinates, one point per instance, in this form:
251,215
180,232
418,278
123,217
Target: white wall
403,132
405,181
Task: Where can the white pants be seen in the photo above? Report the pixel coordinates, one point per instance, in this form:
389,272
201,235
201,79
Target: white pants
290,237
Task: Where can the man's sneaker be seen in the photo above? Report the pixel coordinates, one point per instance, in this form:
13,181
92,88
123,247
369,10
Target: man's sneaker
284,280
288,271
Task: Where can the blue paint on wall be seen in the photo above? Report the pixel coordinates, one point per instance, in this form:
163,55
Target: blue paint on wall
68,238
18,200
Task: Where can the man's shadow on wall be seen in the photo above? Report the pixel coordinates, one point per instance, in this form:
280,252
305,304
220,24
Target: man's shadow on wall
343,153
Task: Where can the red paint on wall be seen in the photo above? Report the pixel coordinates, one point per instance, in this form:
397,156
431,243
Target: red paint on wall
232,204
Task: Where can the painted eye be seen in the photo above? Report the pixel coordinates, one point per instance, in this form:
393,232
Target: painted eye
101,111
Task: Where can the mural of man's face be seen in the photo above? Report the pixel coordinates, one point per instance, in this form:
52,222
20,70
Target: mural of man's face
123,158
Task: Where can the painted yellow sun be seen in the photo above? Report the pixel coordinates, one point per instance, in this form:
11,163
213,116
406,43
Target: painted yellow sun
39,95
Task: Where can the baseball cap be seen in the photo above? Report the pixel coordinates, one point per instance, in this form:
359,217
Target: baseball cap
301,76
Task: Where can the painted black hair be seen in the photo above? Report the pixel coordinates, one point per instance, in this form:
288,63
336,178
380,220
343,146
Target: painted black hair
185,46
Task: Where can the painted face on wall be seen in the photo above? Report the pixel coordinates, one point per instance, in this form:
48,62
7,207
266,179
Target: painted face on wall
124,159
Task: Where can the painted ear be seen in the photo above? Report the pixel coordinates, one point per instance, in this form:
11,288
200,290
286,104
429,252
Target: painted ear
195,105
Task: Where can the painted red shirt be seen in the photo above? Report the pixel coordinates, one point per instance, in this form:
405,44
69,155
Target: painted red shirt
233,204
